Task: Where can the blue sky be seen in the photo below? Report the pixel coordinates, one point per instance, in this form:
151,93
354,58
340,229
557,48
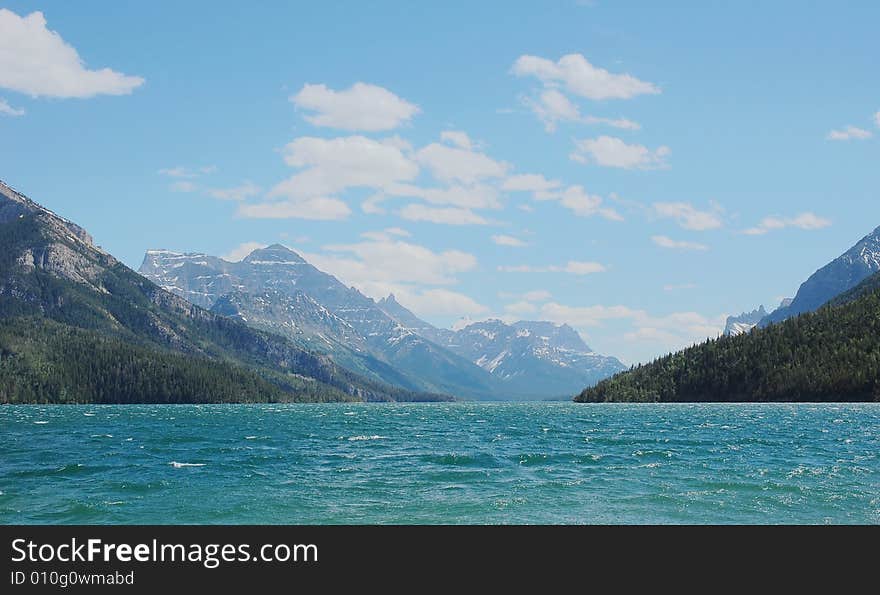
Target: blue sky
636,169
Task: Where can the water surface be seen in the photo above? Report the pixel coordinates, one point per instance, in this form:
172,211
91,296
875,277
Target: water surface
440,463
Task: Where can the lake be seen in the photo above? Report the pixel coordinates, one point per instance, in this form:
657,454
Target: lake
441,463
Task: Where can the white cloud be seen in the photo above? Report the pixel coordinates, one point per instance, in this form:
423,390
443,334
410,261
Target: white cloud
687,216
667,242
529,183
386,234
240,192
438,302
318,208
8,110
36,61
333,165
806,221
453,164
186,173
392,261
877,119
478,196
360,107
241,251
504,240
577,200
849,133
553,107
458,138
622,123
445,216
573,267
609,151
576,74
679,286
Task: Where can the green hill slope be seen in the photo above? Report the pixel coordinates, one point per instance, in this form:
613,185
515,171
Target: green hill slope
832,354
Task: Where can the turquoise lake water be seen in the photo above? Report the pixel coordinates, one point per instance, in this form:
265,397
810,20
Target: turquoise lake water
440,463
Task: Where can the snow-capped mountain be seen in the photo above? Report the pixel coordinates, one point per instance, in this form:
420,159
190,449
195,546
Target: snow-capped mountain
275,289
529,358
838,276
737,325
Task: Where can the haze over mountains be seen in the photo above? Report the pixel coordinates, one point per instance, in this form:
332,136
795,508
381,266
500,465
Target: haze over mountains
276,289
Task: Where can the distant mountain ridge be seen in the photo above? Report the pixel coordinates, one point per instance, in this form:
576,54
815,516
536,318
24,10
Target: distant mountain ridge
277,290
737,325
523,355
76,325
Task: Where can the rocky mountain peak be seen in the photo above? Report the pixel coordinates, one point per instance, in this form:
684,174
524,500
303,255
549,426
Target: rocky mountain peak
274,254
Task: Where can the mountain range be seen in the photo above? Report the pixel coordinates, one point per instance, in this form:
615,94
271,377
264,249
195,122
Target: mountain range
275,289
76,325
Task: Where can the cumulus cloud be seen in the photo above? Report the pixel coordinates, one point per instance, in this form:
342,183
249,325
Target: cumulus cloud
583,204
317,208
8,110
329,166
187,173
806,221
609,151
553,107
454,164
361,107
478,196
505,240
392,261
622,123
36,61
667,242
687,216
850,133
241,251
241,192
441,215
529,183
573,267
575,73
458,138
438,302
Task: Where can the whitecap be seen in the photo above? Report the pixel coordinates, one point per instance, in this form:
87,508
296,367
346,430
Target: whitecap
250,437
177,465
357,438
41,422
89,414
